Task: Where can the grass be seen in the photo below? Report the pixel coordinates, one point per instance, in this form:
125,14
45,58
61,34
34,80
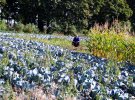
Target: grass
67,44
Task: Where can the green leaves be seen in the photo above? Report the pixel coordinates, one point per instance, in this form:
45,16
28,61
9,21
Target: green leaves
108,10
113,46
2,2
4,62
65,13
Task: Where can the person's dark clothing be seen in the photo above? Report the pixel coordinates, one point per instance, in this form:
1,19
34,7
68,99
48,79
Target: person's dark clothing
76,41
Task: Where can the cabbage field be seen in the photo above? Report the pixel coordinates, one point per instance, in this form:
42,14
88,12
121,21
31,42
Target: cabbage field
63,73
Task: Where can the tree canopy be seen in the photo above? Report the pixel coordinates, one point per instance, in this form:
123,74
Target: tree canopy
81,14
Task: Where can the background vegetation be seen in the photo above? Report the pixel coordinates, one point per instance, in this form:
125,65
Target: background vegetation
112,43
65,16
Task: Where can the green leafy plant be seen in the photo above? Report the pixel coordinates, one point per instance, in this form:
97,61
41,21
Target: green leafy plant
30,28
9,95
108,44
19,27
3,63
3,25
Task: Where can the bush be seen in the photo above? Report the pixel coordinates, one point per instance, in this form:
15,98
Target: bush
68,29
3,25
56,27
85,31
30,28
71,30
120,47
19,27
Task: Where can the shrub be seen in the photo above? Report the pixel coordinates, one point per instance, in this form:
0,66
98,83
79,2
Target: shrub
68,29
19,27
3,25
30,28
71,30
85,31
56,27
108,44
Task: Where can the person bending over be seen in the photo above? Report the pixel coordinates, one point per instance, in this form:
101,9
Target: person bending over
76,41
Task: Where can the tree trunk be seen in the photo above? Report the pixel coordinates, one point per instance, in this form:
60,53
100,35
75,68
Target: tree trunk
41,25
48,27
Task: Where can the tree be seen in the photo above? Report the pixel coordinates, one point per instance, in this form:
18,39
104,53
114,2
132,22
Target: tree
73,13
46,13
28,11
2,4
109,10
11,10
67,14
131,4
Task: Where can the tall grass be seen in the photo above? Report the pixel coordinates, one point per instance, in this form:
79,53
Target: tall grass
3,26
112,43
